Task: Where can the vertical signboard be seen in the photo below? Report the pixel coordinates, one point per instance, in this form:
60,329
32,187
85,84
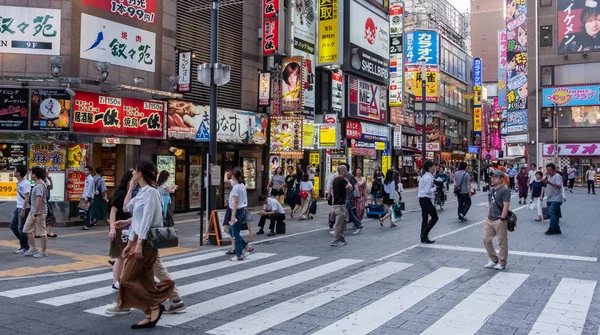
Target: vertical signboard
291,84
422,45
264,89
13,108
477,110
303,32
270,27
337,91
396,58
184,68
516,55
502,47
331,32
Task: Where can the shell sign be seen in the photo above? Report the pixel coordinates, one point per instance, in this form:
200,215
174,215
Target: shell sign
582,95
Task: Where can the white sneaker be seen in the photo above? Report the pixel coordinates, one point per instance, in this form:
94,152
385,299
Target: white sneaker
357,231
19,251
30,252
499,267
490,264
40,255
331,232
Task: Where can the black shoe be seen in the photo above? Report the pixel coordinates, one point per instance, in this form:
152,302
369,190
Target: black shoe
558,232
260,232
271,233
112,263
428,241
150,324
549,232
423,239
519,202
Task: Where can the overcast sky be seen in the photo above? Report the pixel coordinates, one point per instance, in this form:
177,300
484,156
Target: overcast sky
461,5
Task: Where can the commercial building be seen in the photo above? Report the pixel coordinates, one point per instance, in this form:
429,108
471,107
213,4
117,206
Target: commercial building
487,18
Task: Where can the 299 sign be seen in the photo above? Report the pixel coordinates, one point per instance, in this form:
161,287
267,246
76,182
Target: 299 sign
8,191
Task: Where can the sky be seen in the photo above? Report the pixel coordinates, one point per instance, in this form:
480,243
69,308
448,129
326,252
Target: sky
461,5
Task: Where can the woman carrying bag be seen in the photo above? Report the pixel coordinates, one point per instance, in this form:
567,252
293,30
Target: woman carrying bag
238,201
306,195
390,196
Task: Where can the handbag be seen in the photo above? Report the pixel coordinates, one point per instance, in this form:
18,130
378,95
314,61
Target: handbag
303,194
248,218
545,213
162,238
396,213
313,207
84,205
401,206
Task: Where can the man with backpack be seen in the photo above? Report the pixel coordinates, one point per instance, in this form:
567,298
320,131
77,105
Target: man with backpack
496,222
98,210
462,190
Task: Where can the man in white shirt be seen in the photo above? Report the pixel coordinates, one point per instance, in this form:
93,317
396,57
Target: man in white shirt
590,176
272,210
88,195
426,193
22,210
531,174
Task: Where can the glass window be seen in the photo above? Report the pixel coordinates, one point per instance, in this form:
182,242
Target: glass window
546,34
442,92
547,75
585,116
545,3
546,118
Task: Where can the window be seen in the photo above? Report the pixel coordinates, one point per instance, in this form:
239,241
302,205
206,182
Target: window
546,34
483,37
547,75
477,7
545,3
572,117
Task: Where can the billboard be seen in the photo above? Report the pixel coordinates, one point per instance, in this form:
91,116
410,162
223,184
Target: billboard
367,101
422,45
577,27
413,79
516,55
578,95
331,32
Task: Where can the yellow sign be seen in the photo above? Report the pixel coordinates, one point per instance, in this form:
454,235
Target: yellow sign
380,146
327,136
477,95
309,135
316,185
52,157
477,119
8,191
314,158
413,81
328,32
386,163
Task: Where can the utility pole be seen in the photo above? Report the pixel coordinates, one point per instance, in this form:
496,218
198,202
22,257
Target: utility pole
424,109
212,146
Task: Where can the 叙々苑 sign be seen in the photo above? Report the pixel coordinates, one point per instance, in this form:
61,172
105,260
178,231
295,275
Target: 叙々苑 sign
29,30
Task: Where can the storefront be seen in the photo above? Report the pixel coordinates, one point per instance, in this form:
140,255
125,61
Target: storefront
581,155
368,147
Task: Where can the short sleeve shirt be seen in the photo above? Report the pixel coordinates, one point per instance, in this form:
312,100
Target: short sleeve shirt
273,205
531,175
239,190
117,202
23,188
39,190
339,191
306,186
350,192
537,189
497,197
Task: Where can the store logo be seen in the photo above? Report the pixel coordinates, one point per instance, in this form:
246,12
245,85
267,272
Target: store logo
560,96
97,42
370,31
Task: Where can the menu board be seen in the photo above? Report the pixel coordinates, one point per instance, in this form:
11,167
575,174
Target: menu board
249,169
195,188
13,108
58,183
108,165
12,155
8,186
52,157
75,185
100,114
164,162
50,110
77,156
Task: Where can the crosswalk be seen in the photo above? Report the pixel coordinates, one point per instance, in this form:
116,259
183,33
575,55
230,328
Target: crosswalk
294,286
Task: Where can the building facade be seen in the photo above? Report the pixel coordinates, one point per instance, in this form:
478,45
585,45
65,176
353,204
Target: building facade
487,18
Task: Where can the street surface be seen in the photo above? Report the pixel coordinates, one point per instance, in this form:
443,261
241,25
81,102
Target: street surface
382,282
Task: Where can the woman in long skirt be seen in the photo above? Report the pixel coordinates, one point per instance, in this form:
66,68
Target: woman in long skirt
360,201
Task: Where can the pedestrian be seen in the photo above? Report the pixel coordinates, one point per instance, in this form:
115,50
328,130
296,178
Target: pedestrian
291,189
462,190
138,288
118,237
238,202
555,198
425,194
98,208
377,185
340,187
35,225
523,184
565,177
277,183
590,176
537,194
307,193
21,212
50,218
273,211
572,173
311,171
166,191
512,173
392,193
531,174
350,195
360,201
496,222
88,196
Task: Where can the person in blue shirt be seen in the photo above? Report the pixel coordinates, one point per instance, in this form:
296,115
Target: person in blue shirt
512,173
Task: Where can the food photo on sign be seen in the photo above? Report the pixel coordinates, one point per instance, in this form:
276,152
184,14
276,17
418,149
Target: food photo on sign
50,110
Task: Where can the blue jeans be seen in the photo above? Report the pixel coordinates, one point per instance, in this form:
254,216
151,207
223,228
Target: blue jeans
234,230
553,208
352,214
16,225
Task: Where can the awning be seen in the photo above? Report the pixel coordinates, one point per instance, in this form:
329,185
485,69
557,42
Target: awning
410,131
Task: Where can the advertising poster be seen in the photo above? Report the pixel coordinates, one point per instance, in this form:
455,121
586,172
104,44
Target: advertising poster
77,156
195,189
286,135
328,137
12,155
140,10
422,45
75,185
167,163
28,30
184,70
366,131
433,137
13,108
579,95
331,31
413,80
52,157
275,95
100,114
50,110
308,140
577,26
502,49
516,54
337,91
8,186
108,41
187,121
291,84
516,121
367,101
369,44
264,88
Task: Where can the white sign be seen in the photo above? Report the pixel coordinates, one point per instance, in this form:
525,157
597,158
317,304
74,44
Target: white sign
305,23
517,138
396,18
369,30
107,41
264,89
397,137
28,30
337,91
184,71
431,146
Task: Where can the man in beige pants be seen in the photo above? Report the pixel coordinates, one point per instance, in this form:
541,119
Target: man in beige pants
495,222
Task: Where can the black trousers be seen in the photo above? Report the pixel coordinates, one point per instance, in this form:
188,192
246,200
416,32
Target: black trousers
571,182
464,204
591,186
512,182
277,217
427,210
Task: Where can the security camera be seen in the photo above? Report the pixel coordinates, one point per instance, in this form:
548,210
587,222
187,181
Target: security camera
70,91
174,81
102,68
138,81
56,63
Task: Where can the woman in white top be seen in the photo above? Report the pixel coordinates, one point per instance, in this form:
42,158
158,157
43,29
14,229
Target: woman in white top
238,201
392,189
138,288
307,190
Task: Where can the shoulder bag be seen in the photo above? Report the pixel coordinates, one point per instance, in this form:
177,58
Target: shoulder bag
511,218
457,186
162,237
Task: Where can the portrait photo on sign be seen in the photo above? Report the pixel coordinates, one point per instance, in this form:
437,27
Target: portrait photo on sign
578,26
291,86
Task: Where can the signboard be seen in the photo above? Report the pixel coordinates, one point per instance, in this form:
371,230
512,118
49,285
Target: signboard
100,114
431,146
75,185
286,135
50,110
397,115
52,157
8,190
12,155
477,68
140,10
397,137
396,19
517,138
516,121
14,103
291,84
366,131
167,163
578,95
234,126
328,137
572,149
473,149
337,91
276,95
184,70
516,54
477,123
413,79
369,42
502,49
264,88
396,74
29,30
422,45
331,32
309,135
367,101
573,35
107,41
270,26
386,162
303,31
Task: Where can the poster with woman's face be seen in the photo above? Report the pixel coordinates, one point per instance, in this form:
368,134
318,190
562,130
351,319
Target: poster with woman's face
291,85
578,26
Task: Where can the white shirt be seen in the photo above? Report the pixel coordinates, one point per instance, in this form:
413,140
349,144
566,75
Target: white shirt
426,186
239,190
274,206
590,174
88,189
531,175
146,210
306,186
23,188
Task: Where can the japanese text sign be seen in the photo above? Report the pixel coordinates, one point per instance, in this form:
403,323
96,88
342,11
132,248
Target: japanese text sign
516,55
573,34
286,135
331,25
477,123
50,110
99,114
75,185
13,108
367,101
270,27
422,45
366,131
107,41
52,157
28,30
184,70
328,136
584,95
516,121
264,89
12,155
572,149
141,10
502,49
413,80
477,67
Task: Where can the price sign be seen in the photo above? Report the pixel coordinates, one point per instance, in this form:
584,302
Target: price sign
8,191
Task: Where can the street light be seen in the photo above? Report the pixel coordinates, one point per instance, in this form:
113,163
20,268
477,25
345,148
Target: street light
495,123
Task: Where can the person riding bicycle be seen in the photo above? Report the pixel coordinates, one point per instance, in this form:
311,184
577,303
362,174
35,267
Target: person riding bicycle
440,180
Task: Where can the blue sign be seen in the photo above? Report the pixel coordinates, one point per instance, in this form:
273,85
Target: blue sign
202,134
473,149
477,66
516,121
579,95
422,45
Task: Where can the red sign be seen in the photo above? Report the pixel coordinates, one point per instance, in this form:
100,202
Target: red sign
75,185
141,10
99,114
353,129
270,36
270,8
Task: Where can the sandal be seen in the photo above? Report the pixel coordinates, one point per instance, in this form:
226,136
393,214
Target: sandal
249,249
230,252
381,223
393,225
